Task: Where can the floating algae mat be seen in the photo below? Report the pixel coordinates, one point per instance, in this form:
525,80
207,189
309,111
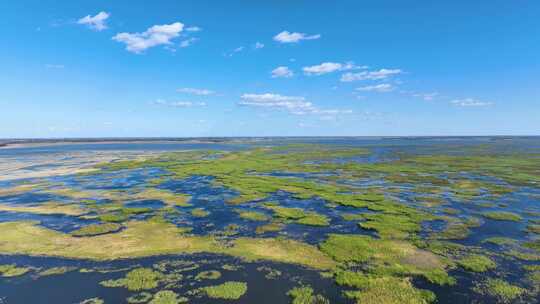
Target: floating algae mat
320,220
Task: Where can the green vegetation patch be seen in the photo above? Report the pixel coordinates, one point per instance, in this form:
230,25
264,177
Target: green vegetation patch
252,215
501,290
229,290
148,238
136,280
533,228
12,270
97,229
270,227
142,297
305,295
199,212
208,275
56,271
385,290
502,216
386,257
477,263
299,215
167,297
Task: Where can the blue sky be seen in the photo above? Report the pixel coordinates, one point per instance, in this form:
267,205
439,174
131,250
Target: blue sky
269,68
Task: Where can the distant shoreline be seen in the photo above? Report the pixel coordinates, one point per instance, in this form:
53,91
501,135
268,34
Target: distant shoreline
37,142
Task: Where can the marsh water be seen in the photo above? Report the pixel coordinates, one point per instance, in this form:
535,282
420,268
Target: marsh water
268,282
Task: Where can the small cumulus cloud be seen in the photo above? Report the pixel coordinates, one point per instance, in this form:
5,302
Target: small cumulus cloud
258,45
329,67
195,91
153,36
380,88
282,72
97,22
288,37
370,75
470,102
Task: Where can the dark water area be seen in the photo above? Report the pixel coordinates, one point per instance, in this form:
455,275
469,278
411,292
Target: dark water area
77,286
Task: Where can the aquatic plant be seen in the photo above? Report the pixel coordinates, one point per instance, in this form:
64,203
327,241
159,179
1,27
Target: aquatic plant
252,215
208,275
501,290
142,297
167,297
96,229
533,228
199,212
270,273
270,227
12,270
136,280
229,290
388,290
500,241
502,216
314,219
476,263
56,271
304,295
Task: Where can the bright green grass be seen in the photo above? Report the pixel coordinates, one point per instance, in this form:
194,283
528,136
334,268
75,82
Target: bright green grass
477,263
167,297
503,291
229,290
304,295
96,229
12,270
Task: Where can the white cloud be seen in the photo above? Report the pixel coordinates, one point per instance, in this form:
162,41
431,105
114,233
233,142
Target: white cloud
188,42
381,88
470,102
179,104
287,37
294,104
193,29
282,72
370,75
154,36
329,67
258,45
97,22
194,91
